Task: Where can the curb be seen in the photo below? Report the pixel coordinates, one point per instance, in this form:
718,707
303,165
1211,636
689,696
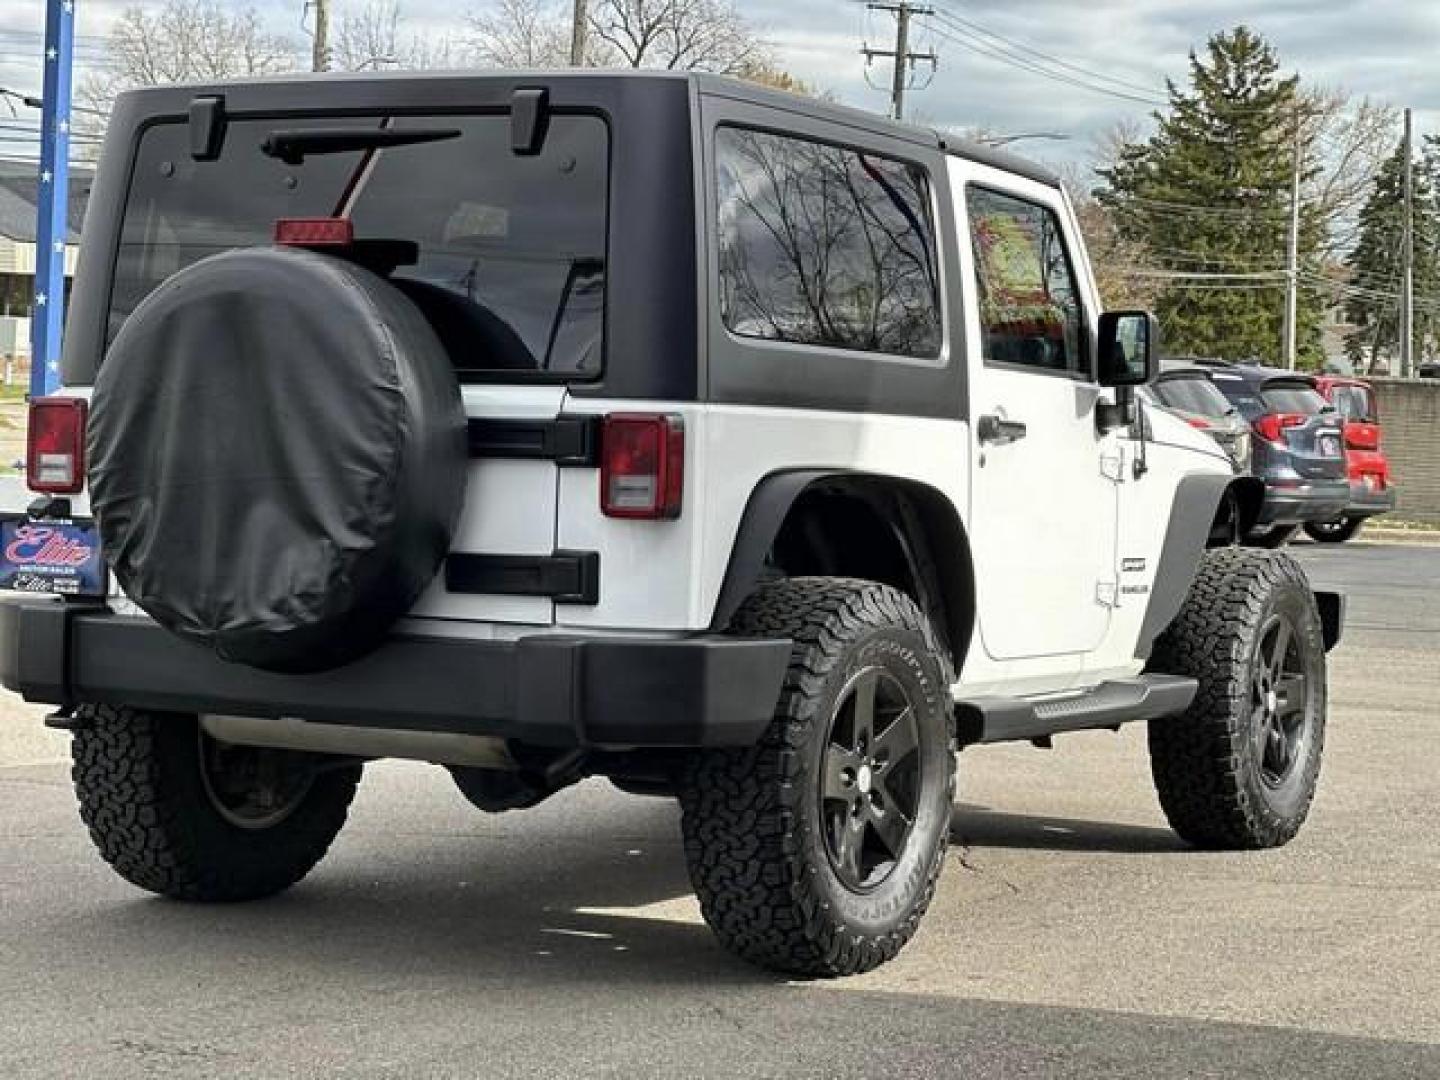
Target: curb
1416,537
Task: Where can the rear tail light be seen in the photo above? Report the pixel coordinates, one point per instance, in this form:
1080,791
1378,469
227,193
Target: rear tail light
642,465
314,232
1198,422
1271,426
1362,437
55,445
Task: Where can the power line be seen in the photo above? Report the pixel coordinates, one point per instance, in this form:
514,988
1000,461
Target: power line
1005,56
1024,48
1166,206
1026,57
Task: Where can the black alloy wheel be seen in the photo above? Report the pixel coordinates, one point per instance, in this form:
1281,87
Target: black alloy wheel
870,773
1279,702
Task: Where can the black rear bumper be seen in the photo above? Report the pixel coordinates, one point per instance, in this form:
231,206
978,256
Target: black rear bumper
547,689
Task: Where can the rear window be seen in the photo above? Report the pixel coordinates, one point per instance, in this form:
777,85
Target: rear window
1239,394
1304,400
1353,402
511,248
1192,394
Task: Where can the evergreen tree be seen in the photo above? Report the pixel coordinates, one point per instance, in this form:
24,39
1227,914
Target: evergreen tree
1375,265
1209,193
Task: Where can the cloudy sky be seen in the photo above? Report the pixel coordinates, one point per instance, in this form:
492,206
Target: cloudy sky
1388,49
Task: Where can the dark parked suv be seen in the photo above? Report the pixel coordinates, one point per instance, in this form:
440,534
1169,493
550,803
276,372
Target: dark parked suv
1298,447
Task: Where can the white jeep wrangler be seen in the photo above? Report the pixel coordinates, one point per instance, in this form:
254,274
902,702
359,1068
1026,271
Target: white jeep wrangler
731,445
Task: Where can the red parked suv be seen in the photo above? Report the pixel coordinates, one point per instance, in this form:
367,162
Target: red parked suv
1371,489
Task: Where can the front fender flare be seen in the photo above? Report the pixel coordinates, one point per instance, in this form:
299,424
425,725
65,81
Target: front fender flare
1197,498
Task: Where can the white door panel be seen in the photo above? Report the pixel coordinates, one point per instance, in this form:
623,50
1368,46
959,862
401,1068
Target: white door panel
1043,520
1043,511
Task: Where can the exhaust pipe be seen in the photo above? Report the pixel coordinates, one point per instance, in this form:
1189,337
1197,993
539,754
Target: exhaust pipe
292,733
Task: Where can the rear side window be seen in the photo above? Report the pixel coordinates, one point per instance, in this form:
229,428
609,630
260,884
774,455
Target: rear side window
1030,312
1353,402
825,245
511,249
1193,395
1293,399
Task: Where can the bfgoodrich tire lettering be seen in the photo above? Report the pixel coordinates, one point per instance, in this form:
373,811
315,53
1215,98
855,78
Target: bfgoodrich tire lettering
1239,769
755,818
156,822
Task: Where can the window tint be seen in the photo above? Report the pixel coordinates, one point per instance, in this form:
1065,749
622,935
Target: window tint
1030,311
1192,394
1293,399
1352,402
511,249
824,245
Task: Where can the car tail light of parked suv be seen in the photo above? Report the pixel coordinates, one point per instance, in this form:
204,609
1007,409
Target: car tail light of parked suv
642,465
55,445
1272,426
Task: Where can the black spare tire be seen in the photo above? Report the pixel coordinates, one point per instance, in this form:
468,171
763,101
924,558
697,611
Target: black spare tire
277,457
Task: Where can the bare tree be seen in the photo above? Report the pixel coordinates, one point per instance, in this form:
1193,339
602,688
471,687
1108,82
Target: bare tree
521,34
682,35
1121,263
180,41
373,36
1346,143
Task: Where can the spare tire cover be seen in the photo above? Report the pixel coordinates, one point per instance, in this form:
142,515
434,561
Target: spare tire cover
277,457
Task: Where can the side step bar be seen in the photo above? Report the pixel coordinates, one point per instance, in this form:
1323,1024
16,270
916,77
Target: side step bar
1007,719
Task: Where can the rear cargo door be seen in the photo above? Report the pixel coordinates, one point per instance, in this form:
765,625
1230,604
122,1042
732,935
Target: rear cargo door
503,252
506,532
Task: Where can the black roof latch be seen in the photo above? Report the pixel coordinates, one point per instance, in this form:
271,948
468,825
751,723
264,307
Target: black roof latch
529,119
207,127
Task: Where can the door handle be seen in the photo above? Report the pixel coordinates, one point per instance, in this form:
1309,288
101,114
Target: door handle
995,430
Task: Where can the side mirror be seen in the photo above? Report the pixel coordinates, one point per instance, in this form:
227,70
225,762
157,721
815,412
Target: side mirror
1129,347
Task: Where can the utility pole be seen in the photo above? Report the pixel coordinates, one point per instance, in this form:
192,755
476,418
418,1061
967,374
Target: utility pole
47,319
1407,260
320,48
577,35
1292,256
904,59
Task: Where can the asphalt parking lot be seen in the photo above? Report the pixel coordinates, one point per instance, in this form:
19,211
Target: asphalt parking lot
1072,936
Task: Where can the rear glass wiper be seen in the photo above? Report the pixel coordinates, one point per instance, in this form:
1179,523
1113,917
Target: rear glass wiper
293,146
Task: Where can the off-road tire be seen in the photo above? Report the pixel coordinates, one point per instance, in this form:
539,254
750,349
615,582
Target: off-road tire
1271,536
1334,532
751,817
142,795
1208,769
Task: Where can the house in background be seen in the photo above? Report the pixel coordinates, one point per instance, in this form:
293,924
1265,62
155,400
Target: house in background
19,187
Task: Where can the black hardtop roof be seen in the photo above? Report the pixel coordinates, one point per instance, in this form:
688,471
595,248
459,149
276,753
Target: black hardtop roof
272,90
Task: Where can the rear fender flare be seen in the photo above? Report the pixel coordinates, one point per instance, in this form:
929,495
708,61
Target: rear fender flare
936,545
